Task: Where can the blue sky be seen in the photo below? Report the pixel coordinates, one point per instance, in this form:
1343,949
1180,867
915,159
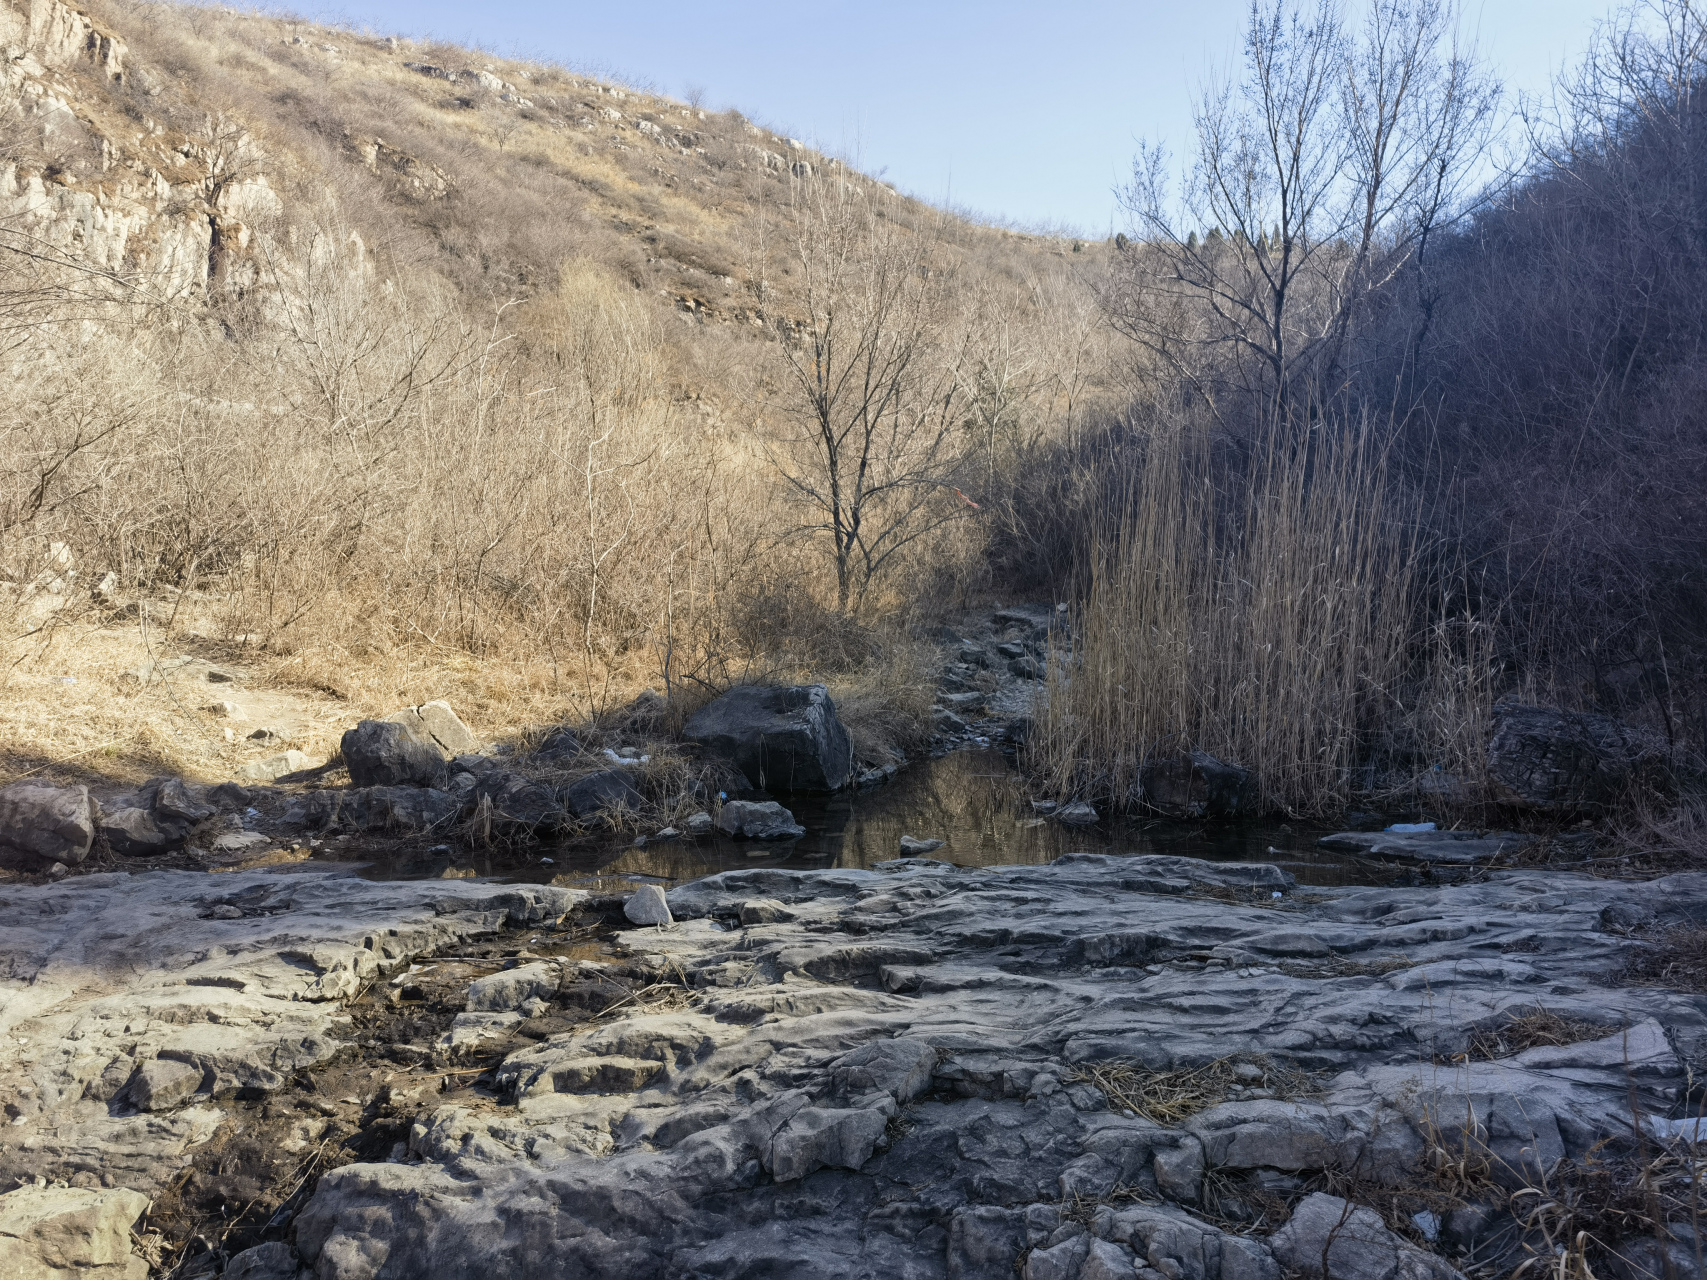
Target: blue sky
1025,112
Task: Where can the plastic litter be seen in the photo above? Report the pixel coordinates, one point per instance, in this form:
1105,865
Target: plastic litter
616,759
1410,828
1428,1222
549,861
1275,894
67,679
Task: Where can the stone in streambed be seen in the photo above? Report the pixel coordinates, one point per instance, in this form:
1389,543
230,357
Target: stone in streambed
912,847
161,1084
1353,1241
271,1261
55,1233
762,911
511,989
756,820
1571,761
386,753
400,809
603,796
647,906
436,722
783,739
279,766
42,824
1452,848
1195,785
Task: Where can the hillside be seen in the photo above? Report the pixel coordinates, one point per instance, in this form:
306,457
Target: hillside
364,310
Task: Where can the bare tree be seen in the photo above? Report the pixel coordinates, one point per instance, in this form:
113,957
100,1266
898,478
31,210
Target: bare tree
1316,180
874,392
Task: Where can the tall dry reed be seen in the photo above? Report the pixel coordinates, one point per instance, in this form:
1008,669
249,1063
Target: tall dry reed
1256,604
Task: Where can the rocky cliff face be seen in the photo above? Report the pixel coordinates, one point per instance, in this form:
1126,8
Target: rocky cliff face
169,215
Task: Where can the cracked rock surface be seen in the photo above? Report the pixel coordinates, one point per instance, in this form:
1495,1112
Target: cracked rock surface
133,1006
893,1073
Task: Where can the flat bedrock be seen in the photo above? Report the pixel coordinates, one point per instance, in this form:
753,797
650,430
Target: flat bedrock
879,1073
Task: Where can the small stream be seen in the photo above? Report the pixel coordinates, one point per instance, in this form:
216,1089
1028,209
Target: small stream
971,800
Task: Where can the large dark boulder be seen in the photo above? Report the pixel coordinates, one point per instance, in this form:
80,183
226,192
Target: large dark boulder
1196,785
135,832
602,796
156,820
41,824
783,738
1571,761
515,805
386,753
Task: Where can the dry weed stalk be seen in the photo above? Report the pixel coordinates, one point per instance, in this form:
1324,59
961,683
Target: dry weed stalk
1677,959
1168,1097
1540,1026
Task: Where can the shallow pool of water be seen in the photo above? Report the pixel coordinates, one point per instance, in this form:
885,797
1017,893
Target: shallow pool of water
970,800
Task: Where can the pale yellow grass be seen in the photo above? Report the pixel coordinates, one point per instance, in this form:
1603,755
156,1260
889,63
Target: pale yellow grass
68,715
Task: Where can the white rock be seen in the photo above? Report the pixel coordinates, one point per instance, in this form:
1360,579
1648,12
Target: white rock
54,1233
502,992
648,906
278,766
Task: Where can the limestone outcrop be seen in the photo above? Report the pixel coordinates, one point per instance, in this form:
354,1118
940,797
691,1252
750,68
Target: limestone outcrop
932,1072
132,1007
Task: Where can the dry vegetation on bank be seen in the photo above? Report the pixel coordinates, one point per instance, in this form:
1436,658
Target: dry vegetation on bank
498,406
533,391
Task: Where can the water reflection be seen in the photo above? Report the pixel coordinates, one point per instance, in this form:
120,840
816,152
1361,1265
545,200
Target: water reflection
970,800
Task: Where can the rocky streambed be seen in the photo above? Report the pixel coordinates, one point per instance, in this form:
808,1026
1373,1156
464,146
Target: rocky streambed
1102,1066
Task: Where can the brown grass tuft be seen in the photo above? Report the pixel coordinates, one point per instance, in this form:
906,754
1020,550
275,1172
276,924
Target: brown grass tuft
1168,1097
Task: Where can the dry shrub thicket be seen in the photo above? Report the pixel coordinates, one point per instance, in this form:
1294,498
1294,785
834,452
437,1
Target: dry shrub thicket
535,405
1405,441
1265,589
464,438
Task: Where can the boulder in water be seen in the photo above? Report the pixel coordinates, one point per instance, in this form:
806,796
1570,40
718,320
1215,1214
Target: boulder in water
785,738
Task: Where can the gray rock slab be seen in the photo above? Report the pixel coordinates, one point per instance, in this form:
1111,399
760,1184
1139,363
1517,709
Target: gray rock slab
1447,848
111,980
54,1233
875,1072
